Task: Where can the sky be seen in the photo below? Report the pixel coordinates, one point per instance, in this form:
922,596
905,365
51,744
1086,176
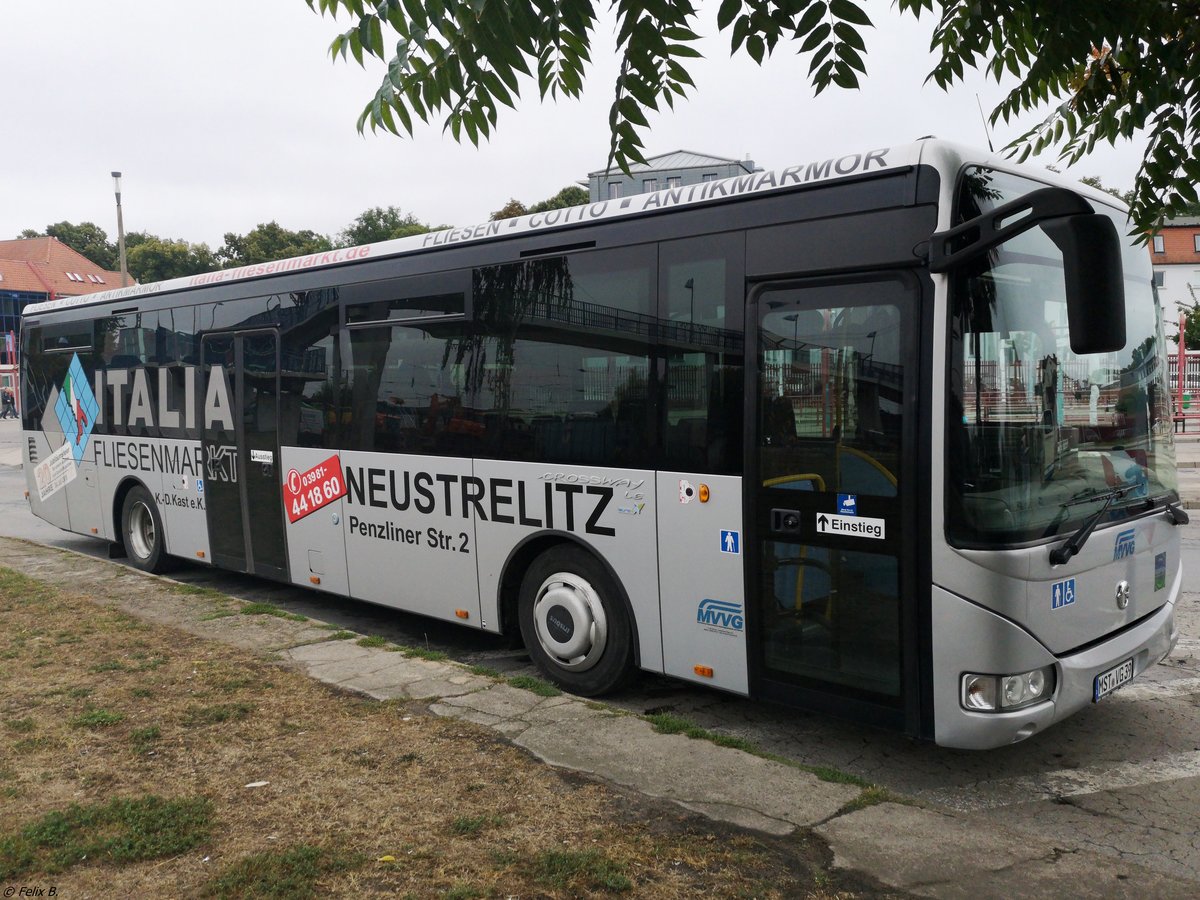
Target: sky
224,114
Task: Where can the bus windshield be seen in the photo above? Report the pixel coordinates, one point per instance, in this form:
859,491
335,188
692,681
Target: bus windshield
1034,430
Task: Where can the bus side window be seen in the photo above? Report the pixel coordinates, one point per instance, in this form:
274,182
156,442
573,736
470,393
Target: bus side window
405,389
702,288
564,375
311,396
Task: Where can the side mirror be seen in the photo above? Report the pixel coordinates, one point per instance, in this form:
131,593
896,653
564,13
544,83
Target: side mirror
1095,285
1091,248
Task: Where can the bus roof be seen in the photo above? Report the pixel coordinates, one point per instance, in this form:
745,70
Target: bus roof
848,166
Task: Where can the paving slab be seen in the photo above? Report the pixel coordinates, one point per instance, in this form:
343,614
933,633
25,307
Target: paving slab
933,854
775,797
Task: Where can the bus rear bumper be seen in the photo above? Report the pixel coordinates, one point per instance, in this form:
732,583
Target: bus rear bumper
978,640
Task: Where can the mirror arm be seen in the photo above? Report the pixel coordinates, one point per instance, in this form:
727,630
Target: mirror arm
962,243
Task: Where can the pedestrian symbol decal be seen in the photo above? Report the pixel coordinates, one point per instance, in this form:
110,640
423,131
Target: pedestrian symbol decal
730,542
1062,593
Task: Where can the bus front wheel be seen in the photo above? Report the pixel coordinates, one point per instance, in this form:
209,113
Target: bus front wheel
142,531
574,623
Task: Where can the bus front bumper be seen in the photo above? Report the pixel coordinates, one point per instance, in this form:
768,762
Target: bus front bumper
980,641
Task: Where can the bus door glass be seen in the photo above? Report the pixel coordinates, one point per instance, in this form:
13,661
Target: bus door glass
243,498
828,485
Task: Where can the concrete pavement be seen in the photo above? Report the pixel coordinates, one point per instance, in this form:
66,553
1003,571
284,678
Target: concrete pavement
907,848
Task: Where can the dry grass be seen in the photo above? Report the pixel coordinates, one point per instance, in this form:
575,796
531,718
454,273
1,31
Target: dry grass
97,708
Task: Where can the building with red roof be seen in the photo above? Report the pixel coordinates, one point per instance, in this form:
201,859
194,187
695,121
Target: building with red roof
33,270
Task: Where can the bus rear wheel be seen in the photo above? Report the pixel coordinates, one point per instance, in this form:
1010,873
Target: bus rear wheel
142,531
574,623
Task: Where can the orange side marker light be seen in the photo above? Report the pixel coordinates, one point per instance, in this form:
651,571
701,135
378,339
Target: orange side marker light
703,671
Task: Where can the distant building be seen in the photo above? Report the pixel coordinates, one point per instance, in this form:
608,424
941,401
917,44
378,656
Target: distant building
669,170
33,270
1175,254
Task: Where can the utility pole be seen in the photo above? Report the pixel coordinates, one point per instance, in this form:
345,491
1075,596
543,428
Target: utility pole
120,229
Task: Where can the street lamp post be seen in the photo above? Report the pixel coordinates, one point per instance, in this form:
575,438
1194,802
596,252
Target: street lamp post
120,229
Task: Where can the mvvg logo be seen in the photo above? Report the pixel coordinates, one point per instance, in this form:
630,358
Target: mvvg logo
1125,544
721,614
221,463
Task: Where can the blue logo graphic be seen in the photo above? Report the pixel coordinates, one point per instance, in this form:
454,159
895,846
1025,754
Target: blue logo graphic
721,614
1062,593
1125,544
76,408
730,542
847,504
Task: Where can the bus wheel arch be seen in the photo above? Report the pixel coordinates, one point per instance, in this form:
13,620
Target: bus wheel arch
139,527
574,615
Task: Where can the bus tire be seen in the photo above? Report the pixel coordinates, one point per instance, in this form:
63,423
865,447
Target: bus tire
142,531
574,623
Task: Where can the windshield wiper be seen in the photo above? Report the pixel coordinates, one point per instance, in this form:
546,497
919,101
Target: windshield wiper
1075,542
1175,514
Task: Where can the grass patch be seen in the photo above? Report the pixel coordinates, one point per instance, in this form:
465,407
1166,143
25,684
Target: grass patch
534,685
373,640
873,796
485,671
20,726
215,715
195,590
145,738
837,776
580,870
470,825
292,873
262,609
97,718
479,815
666,723
219,614
119,831
34,745
342,635
423,653
109,665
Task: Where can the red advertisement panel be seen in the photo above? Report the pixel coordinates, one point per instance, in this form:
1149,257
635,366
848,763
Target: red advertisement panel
306,492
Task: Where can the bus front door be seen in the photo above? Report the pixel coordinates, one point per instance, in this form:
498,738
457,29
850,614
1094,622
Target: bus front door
829,484
243,497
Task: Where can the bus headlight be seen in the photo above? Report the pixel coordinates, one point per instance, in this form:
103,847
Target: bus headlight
992,693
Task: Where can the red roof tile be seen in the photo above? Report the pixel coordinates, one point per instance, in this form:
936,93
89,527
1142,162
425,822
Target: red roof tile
41,265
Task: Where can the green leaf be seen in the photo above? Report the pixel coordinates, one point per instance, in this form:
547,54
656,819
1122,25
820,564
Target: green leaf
729,9
848,12
820,33
756,48
809,20
849,35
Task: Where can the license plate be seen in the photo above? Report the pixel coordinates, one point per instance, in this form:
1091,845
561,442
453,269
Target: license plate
1107,682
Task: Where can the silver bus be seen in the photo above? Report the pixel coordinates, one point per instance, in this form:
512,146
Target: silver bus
884,435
